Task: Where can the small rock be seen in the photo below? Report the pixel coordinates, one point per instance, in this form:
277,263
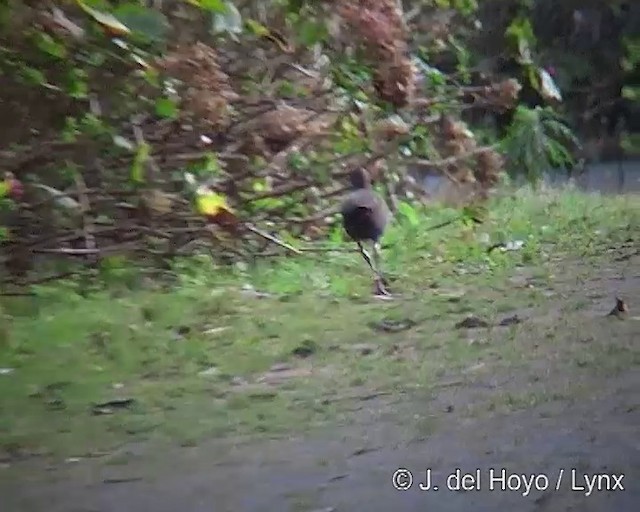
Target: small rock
475,367
249,291
393,325
305,349
215,330
510,320
514,246
471,322
478,341
364,348
183,330
6,371
212,370
238,381
484,238
280,367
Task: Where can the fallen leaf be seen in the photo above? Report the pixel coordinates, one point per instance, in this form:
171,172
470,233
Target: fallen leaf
110,406
109,22
393,325
60,19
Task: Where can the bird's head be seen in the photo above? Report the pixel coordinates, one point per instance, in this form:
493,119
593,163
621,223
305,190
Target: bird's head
360,178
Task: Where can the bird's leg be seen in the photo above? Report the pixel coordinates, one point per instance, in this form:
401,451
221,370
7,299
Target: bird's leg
379,280
376,259
367,258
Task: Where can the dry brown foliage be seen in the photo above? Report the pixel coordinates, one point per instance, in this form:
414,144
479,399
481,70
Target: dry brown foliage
255,136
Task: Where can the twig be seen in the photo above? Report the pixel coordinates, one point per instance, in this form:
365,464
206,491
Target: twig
440,164
87,224
273,239
66,250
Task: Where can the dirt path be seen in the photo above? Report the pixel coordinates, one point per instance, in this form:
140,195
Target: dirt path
593,436
574,406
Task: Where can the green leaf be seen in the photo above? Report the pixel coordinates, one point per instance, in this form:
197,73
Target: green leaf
631,93
257,28
49,45
77,85
259,185
149,24
311,32
70,130
466,7
33,76
230,20
141,158
409,213
167,108
93,125
521,36
106,20
210,5
209,165
295,6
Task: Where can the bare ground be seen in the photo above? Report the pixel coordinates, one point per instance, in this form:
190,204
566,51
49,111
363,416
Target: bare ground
574,405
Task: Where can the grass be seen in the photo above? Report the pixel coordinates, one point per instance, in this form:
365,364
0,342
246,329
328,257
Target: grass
207,358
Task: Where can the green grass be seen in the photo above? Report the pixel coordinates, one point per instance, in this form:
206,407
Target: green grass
198,359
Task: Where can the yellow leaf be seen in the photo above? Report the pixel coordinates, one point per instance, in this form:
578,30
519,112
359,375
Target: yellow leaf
108,21
210,203
257,28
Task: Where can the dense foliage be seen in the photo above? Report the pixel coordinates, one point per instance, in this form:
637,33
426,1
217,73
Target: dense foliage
151,129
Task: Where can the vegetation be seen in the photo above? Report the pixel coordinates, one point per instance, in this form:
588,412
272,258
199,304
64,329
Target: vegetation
114,107
172,172
275,348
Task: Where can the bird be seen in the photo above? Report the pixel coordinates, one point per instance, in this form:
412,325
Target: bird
620,310
365,216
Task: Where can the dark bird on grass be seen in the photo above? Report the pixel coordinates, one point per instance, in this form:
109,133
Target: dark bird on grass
620,310
365,216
